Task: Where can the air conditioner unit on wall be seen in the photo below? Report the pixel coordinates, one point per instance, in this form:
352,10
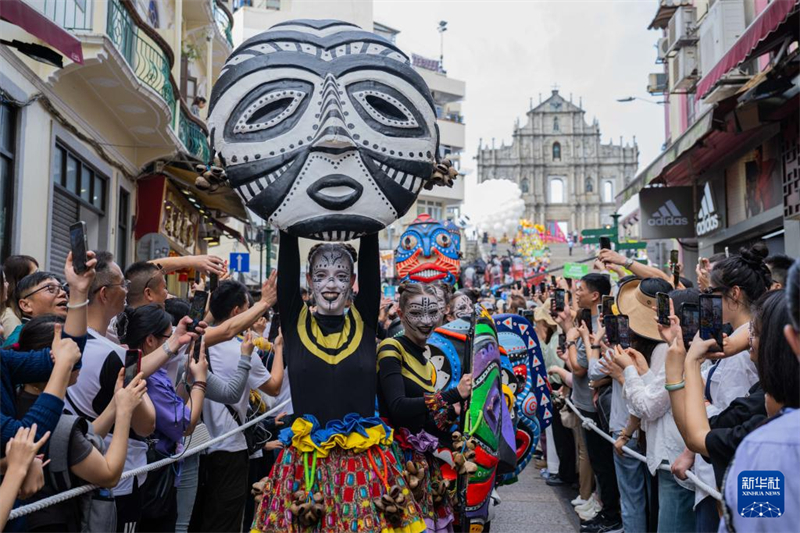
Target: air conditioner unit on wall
662,48
682,28
683,69
720,29
657,83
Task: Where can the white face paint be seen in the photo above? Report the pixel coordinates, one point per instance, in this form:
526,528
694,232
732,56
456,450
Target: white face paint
421,316
331,279
462,307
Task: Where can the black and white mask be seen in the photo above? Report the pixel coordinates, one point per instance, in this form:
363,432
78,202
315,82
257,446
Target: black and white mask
324,129
421,316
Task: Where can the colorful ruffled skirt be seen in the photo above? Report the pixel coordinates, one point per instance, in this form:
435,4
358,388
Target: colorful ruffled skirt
433,494
349,466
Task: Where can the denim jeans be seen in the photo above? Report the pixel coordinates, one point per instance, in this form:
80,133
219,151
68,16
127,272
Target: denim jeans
707,517
675,506
187,490
632,477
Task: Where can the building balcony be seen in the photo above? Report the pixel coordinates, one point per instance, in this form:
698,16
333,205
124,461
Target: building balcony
444,90
198,14
125,88
193,134
452,133
224,21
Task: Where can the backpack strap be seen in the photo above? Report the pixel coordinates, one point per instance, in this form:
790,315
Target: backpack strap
59,450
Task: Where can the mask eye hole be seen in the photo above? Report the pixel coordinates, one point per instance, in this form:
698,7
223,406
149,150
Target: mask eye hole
443,240
409,242
269,110
386,109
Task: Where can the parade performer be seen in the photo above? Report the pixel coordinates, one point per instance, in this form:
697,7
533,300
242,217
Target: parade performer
423,418
327,132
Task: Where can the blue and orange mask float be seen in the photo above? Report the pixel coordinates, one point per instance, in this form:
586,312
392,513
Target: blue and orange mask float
428,252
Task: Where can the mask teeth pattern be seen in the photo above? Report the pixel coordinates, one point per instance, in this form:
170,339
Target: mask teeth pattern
407,181
249,190
333,236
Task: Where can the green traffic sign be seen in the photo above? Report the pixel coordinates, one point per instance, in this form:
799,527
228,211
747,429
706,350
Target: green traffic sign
631,246
575,270
590,240
599,232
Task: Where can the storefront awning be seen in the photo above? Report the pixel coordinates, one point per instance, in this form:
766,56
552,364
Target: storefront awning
690,137
765,24
21,14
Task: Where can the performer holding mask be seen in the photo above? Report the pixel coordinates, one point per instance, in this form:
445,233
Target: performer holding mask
422,417
327,132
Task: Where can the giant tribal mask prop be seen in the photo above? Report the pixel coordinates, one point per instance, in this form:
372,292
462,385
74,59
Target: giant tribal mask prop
489,417
525,376
427,252
324,129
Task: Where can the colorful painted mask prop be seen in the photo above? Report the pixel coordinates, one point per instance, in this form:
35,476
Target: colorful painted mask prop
489,420
427,252
527,380
324,130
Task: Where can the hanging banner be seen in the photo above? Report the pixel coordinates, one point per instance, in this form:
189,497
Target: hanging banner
666,213
575,270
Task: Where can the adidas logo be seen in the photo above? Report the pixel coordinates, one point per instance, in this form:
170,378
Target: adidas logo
707,217
668,215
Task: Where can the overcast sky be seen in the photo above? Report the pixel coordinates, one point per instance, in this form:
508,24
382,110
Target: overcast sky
510,51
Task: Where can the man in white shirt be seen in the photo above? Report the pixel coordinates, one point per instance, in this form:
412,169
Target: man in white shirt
224,470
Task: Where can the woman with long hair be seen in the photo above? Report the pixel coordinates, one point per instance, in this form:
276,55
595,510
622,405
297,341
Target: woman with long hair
146,328
407,397
15,268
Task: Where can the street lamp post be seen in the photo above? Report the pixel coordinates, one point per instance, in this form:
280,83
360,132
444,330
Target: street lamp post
441,28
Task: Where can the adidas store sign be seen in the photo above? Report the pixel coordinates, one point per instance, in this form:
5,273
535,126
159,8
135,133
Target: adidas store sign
666,213
707,218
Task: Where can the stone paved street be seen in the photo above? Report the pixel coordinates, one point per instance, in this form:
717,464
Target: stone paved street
531,506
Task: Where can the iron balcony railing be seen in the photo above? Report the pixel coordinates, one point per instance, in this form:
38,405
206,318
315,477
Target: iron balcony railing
145,57
69,14
224,22
193,136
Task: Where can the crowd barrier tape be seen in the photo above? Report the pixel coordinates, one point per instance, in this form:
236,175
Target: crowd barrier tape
588,423
72,493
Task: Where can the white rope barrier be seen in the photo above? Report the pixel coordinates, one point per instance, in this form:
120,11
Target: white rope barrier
588,423
72,493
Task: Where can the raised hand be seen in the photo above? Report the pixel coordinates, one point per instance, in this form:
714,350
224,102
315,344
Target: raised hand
199,368
465,386
247,344
127,399
269,290
64,351
80,283
209,264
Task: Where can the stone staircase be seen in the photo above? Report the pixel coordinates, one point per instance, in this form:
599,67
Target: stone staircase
559,252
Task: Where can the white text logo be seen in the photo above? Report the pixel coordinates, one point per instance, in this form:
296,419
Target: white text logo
707,217
668,215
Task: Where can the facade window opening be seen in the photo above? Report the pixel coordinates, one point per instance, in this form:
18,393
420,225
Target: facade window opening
525,186
555,124
608,191
556,191
556,151
589,184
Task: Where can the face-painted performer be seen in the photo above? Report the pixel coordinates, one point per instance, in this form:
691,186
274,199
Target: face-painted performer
327,132
461,306
422,417
427,253
527,382
489,418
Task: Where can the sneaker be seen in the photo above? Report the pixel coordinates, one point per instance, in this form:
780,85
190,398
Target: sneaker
578,501
588,514
603,524
544,473
587,504
555,481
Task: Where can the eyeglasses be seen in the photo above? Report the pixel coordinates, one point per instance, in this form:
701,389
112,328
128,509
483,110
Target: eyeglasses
52,288
124,284
159,272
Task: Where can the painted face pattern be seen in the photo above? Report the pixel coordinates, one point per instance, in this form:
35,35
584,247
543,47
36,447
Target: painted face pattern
422,314
462,306
324,129
331,274
427,252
